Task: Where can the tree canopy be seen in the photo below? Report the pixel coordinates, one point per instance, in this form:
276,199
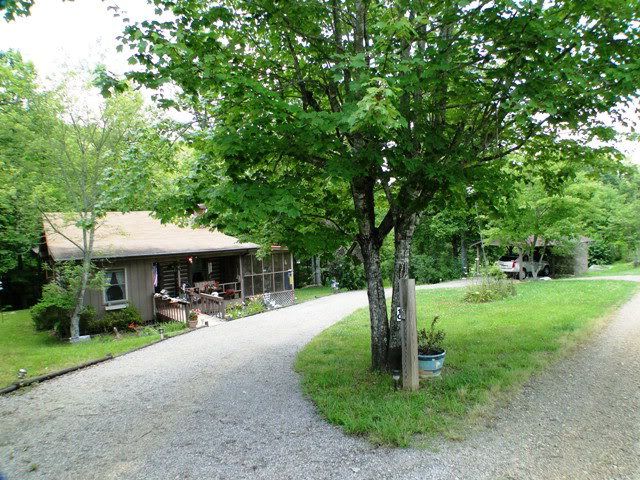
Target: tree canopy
410,97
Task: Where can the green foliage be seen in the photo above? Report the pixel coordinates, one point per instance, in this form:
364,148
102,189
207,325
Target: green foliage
307,109
539,211
431,342
62,328
252,306
54,310
347,272
489,286
23,154
492,350
602,252
435,267
120,319
55,304
612,219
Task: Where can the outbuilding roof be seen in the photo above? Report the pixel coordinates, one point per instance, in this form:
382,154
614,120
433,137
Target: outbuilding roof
135,234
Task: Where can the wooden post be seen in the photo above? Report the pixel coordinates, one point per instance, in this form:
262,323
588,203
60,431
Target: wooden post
409,333
241,279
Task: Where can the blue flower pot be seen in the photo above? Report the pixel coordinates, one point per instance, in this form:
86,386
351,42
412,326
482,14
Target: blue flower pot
430,365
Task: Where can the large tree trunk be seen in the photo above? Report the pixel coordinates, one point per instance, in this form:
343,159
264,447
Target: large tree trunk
377,305
370,243
403,230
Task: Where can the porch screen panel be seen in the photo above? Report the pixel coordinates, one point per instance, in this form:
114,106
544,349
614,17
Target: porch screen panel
268,275
286,261
279,282
256,264
277,262
257,285
267,282
248,286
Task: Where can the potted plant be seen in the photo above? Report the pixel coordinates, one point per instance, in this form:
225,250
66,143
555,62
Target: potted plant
193,318
431,352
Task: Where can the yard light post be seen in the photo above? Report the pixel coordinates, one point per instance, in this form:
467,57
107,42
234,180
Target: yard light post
161,332
22,373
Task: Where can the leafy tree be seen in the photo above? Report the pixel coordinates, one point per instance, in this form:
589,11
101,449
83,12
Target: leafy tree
611,217
534,218
87,147
23,154
348,98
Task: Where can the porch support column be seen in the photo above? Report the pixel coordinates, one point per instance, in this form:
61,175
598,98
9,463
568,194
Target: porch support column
241,279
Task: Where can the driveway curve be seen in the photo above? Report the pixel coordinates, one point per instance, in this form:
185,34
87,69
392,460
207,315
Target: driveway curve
223,402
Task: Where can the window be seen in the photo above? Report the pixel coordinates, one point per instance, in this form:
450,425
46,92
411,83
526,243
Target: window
115,290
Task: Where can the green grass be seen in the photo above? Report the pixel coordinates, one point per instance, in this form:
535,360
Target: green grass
621,268
311,293
491,350
40,352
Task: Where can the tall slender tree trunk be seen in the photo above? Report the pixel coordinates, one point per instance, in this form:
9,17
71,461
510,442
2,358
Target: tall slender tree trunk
75,316
403,230
87,254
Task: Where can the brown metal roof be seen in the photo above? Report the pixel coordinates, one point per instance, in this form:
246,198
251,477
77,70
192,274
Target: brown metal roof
135,234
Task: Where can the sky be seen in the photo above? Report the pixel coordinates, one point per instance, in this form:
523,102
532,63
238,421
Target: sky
61,36
71,34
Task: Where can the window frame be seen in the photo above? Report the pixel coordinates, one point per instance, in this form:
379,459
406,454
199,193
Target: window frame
116,304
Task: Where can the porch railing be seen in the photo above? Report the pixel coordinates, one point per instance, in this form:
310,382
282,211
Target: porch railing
170,310
208,304
222,288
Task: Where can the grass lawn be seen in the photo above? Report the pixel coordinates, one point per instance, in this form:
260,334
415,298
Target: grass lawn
40,352
310,293
491,350
621,268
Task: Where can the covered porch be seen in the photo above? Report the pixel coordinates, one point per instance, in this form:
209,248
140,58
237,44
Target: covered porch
212,283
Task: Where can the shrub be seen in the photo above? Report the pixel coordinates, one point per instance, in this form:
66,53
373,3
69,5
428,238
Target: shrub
490,285
252,306
347,272
62,328
603,253
120,319
54,310
56,304
433,269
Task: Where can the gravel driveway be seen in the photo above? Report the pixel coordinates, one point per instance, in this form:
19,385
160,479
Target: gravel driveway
223,402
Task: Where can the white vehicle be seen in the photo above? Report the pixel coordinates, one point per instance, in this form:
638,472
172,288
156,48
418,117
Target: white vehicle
510,265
